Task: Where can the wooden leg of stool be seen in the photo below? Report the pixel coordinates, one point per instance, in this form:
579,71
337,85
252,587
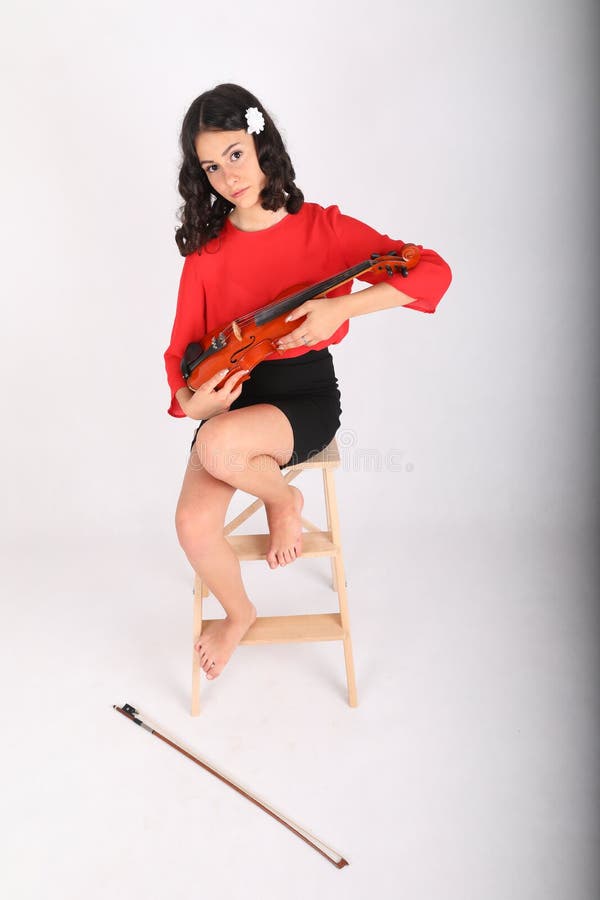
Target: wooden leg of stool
340,577
328,515
348,657
200,592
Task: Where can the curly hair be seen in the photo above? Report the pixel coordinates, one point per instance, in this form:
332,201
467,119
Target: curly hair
204,211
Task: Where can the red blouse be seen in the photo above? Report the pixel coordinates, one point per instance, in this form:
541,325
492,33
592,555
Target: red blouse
240,271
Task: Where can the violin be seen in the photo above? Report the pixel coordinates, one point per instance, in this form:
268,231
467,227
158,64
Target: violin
245,342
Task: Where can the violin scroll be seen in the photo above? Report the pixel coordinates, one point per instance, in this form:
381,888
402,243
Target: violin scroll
392,262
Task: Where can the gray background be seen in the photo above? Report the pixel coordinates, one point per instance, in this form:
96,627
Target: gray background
468,770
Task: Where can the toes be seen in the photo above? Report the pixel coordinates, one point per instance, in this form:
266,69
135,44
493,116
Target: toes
290,554
283,557
204,655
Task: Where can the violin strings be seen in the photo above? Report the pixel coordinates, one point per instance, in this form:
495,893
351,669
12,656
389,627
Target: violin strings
306,293
300,297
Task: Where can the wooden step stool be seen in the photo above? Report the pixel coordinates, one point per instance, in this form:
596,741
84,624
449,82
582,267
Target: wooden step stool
333,626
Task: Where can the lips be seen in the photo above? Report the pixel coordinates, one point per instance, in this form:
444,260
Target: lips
239,193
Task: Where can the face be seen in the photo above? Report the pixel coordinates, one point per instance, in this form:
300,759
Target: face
231,165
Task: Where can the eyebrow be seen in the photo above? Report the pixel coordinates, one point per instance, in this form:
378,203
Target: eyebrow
202,161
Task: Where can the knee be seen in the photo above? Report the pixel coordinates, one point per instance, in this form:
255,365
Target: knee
219,448
197,529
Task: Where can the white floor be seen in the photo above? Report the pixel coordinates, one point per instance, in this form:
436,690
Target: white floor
468,770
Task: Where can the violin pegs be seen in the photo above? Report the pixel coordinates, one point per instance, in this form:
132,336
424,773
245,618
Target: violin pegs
388,269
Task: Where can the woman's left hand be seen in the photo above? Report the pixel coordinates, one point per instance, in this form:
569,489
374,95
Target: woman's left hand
323,317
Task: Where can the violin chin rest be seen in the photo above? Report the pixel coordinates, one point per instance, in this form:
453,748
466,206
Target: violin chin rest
192,352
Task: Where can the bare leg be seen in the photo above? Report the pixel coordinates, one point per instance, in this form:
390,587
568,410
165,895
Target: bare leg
244,448
240,448
199,521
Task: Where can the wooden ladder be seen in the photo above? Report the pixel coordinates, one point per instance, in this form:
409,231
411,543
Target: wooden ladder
333,626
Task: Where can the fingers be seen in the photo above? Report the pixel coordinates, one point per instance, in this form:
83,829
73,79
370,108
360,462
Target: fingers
234,395
230,390
301,311
229,384
294,339
211,400
211,384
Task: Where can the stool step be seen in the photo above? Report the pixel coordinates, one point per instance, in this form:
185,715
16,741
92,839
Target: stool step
329,458
255,546
290,629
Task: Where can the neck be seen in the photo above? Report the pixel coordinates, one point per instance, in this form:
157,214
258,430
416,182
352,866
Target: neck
256,218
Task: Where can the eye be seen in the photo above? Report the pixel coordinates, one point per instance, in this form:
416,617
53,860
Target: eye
210,170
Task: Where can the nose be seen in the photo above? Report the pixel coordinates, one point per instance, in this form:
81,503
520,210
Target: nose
231,177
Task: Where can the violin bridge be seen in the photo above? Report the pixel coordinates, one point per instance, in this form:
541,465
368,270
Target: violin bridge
236,330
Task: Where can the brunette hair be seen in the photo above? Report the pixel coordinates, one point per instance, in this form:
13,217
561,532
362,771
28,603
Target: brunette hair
204,211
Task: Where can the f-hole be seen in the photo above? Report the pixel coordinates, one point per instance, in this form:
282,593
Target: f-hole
236,356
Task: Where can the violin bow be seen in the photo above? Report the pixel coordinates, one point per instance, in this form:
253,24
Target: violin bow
335,858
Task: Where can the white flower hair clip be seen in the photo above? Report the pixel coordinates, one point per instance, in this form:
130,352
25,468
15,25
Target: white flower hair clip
255,120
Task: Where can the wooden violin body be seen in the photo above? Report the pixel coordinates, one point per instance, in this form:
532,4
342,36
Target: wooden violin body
245,342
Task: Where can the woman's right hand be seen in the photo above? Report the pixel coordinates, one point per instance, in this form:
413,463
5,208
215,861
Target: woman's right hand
206,401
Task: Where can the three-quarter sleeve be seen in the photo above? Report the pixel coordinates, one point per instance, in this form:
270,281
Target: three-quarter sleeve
189,325
427,282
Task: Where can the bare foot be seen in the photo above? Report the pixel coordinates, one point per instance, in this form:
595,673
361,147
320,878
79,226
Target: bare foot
216,646
286,529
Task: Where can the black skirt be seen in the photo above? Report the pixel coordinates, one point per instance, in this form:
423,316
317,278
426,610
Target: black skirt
306,390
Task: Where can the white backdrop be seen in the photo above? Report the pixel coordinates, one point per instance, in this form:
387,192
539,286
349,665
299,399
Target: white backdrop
467,127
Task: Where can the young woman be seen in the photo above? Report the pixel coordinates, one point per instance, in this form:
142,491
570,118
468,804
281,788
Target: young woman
247,234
